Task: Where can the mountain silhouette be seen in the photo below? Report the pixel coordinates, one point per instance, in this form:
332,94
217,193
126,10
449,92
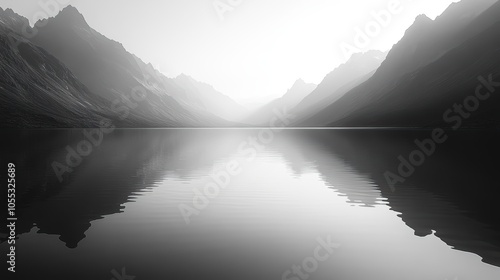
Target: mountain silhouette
359,68
37,90
291,99
63,73
110,71
125,90
422,76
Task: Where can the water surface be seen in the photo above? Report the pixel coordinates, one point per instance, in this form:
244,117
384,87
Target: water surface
121,206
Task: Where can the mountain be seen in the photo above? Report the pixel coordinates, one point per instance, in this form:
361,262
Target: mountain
63,73
113,73
36,89
67,74
297,93
392,94
17,23
423,99
292,97
427,40
203,96
355,71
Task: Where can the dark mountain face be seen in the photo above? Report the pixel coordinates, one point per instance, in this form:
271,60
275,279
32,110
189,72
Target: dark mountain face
427,40
457,90
399,95
17,23
38,90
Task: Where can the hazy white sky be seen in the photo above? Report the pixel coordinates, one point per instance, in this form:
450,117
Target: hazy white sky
257,49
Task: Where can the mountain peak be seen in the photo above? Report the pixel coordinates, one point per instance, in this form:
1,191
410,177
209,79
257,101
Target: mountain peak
422,18
464,9
299,82
13,20
70,10
421,25
185,77
361,57
71,15
9,12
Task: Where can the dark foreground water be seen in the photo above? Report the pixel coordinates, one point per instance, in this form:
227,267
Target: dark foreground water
247,204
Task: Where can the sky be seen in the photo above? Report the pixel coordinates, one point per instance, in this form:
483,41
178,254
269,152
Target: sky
251,50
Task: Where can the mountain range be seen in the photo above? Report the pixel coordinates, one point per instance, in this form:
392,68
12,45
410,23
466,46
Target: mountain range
291,99
435,65
70,75
112,83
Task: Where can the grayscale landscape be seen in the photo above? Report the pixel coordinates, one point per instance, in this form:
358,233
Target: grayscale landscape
277,139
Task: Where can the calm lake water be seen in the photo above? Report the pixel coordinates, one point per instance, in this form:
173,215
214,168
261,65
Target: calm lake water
226,204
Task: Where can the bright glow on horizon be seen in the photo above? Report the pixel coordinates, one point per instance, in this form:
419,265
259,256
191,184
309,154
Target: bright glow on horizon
260,48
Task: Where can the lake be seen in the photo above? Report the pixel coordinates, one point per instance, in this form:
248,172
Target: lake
254,204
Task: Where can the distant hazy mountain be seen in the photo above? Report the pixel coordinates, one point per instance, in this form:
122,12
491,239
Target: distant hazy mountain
355,71
205,97
292,98
194,95
297,93
392,97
